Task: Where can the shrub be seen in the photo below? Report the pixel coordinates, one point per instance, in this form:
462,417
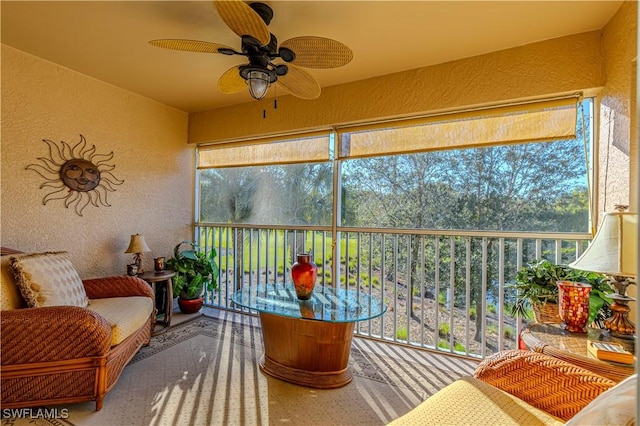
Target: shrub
401,334
508,332
492,328
443,344
443,330
457,346
472,313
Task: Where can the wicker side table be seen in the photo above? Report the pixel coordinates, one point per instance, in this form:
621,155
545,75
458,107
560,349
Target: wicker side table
551,339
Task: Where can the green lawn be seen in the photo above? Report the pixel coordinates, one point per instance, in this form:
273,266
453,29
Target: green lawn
268,249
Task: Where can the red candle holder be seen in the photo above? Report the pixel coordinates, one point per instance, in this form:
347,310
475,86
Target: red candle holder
573,305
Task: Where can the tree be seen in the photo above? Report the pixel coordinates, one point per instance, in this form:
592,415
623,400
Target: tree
294,194
511,187
227,196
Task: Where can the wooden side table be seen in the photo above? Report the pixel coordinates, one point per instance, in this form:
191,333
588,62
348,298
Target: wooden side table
551,339
162,277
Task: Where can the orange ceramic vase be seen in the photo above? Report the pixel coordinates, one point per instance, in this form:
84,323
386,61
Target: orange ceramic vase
304,274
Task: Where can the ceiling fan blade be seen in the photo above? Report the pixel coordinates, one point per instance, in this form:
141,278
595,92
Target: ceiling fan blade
231,82
243,20
299,83
318,52
189,45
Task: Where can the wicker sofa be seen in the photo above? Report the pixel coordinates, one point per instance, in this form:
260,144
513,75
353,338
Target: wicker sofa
63,354
517,387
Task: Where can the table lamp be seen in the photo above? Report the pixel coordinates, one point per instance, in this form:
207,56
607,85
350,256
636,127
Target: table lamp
138,247
613,253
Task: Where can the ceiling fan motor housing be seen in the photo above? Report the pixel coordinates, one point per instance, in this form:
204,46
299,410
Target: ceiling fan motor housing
246,69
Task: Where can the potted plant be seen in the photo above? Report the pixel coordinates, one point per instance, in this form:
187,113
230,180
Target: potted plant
195,272
537,289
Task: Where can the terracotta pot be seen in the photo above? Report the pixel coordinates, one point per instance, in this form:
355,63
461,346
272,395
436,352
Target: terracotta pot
190,306
304,274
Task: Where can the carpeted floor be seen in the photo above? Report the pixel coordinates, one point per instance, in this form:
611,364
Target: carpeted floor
204,372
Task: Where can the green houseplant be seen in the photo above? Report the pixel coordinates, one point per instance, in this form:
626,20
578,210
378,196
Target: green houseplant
536,284
195,272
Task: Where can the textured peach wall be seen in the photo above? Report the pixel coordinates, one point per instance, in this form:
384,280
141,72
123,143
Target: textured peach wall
41,100
618,174
555,66
617,179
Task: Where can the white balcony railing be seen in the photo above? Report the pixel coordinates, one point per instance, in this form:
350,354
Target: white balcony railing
446,291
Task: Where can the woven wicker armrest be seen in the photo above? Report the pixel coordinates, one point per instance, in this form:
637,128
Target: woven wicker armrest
117,286
555,386
52,333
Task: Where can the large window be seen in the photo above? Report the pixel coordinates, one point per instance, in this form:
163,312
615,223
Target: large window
507,169
536,187
275,182
433,214
289,194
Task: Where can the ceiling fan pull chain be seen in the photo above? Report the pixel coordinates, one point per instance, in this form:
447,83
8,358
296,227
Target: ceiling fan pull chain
275,96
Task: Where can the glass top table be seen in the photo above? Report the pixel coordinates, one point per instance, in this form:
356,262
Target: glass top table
308,342
551,339
326,304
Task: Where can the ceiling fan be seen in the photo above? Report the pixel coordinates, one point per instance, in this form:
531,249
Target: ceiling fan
268,62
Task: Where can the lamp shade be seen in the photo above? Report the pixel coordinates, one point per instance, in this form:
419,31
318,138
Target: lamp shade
614,250
137,245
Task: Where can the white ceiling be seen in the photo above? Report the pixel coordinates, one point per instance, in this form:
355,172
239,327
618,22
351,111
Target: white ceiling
108,40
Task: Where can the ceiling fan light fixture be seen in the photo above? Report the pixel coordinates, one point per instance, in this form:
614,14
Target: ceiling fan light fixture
259,78
259,82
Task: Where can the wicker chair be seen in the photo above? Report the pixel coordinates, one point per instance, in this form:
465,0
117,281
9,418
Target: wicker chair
64,354
552,385
512,387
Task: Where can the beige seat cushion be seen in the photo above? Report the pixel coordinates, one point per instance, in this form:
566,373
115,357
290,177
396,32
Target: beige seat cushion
49,279
10,297
126,315
469,401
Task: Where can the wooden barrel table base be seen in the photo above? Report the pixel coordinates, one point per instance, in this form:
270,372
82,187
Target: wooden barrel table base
308,342
306,352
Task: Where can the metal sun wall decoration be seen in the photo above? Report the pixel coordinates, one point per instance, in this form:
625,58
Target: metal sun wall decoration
77,175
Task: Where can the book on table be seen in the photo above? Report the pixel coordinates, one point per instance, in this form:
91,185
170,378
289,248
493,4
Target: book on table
608,351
